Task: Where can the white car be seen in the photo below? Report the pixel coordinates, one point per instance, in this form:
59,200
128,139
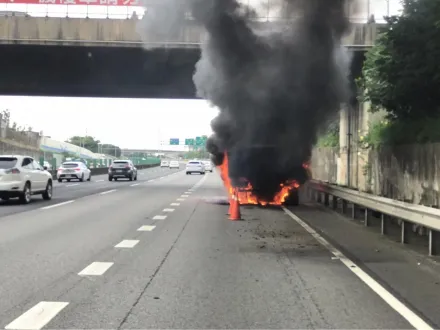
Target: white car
174,164
73,171
47,166
208,166
164,163
22,177
195,166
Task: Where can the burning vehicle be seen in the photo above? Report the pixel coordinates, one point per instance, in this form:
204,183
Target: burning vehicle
276,85
256,186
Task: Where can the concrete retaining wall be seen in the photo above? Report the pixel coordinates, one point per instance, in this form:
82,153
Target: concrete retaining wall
409,173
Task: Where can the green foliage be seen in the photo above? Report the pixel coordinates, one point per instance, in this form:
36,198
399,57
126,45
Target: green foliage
93,145
401,73
87,142
399,132
110,149
331,136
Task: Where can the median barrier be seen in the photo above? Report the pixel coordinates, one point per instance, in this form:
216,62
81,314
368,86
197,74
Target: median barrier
407,213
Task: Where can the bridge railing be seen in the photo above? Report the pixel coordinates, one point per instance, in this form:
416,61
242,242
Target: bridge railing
125,8
405,213
125,33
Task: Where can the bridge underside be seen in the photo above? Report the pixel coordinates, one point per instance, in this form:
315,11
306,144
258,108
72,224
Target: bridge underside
103,71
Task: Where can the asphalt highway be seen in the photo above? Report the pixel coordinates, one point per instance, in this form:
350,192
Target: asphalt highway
160,253
67,191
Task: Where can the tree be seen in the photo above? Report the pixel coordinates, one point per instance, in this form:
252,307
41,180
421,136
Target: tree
401,73
6,115
111,149
87,142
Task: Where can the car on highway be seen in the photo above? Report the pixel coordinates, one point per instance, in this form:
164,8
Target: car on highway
208,165
22,177
174,164
122,169
164,163
47,166
73,171
195,166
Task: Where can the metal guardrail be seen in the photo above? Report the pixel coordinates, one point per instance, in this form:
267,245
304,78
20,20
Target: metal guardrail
123,43
114,43
409,213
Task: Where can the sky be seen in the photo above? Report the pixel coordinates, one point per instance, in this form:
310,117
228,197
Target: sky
127,123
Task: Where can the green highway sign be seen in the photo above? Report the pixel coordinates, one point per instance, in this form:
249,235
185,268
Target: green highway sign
189,142
174,142
201,140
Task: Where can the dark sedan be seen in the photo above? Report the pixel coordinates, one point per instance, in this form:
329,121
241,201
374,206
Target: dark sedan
122,169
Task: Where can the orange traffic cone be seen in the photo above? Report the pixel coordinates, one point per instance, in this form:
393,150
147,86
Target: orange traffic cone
230,206
234,213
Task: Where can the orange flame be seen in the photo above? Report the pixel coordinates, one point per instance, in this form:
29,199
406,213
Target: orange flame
245,194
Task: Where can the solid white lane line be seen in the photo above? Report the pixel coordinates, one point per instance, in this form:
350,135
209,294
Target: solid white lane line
159,217
72,185
168,210
127,243
416,321
38,316
107,192
96,269
180,199
146,228
56,205
175,204
134,185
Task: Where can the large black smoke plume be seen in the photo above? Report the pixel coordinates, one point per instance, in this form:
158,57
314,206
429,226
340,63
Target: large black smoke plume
276,83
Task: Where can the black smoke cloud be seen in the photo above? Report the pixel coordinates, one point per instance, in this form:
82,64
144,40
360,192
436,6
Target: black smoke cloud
275,84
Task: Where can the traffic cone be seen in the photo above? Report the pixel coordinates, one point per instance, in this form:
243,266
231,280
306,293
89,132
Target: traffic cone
230,206
235,209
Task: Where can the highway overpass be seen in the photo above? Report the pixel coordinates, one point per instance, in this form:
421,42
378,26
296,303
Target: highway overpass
105,58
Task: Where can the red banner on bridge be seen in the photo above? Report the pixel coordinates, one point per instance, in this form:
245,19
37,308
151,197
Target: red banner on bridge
77,2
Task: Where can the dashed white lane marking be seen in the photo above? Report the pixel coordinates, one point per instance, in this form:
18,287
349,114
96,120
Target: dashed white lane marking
96,269
416,321
56,205
72,185
99,181
150,180
127,243
175,204
146,228
188,193
168,210
107,192
38,316
134,185
159,217
180,199
184,196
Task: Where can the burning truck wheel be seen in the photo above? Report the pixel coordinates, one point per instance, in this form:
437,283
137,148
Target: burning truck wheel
292,199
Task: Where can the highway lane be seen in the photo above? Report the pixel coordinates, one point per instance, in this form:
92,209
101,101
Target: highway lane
68,191
42,251
189,267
